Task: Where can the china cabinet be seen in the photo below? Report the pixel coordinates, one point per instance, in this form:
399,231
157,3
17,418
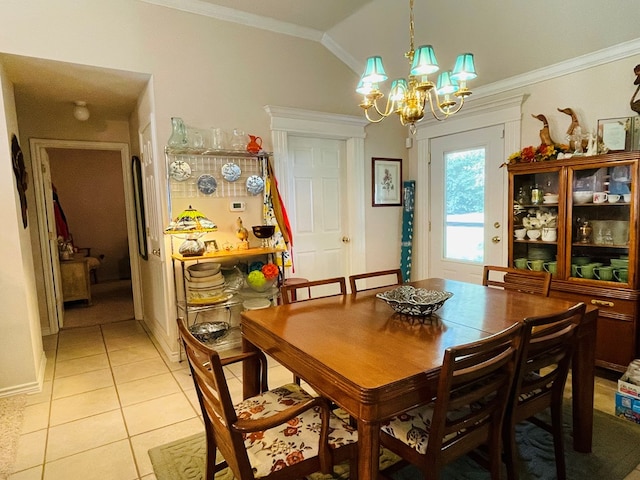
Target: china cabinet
578,219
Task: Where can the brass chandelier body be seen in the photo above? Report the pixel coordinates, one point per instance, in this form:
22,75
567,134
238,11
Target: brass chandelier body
409,98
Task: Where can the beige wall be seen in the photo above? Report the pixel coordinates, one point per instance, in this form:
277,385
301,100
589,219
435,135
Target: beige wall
20,337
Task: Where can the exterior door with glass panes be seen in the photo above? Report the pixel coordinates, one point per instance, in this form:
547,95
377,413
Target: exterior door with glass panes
467,204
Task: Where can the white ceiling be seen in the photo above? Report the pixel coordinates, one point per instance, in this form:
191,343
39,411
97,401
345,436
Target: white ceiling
508,39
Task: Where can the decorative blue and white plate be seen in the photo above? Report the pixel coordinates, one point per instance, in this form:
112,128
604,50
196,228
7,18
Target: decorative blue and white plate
179,170
231,172
255,184
207,184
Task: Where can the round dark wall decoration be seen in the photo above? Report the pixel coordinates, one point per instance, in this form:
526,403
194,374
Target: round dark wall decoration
21,176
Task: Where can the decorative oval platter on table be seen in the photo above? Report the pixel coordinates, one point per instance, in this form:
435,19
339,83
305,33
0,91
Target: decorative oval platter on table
417,302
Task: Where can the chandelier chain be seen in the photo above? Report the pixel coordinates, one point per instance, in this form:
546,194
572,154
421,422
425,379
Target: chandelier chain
411,51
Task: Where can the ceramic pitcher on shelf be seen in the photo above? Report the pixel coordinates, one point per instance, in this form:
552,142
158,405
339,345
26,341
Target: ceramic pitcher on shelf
255,144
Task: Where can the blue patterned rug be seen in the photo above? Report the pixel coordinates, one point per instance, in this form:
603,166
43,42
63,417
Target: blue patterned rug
616,452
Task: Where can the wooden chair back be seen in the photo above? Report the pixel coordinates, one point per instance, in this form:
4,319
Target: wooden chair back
472,395
384,278
528,281
543,365
328,287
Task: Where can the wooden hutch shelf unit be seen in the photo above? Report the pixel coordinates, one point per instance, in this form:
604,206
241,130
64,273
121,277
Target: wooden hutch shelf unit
593,254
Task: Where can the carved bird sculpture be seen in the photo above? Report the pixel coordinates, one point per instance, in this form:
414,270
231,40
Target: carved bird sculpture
574,129
242,233
545,136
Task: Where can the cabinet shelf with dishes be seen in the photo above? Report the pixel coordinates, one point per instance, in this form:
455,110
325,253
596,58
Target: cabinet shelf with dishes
578,219
232,292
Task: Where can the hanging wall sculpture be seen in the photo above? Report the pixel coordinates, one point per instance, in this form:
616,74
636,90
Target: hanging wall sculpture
21,176
409,188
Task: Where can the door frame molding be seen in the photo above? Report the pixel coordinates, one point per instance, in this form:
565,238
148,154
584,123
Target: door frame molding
287,121
38,148
505,111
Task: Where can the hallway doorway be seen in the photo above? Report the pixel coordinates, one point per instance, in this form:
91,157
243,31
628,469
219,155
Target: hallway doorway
43,175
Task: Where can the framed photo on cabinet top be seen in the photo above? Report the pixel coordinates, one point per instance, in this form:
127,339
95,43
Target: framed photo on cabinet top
386,182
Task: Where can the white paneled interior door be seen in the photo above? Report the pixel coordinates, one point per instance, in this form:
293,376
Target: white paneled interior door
318,171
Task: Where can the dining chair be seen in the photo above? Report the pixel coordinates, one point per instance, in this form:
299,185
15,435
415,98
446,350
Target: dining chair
467,411
279,434
391,277
543,366
528,281
289,294
327,287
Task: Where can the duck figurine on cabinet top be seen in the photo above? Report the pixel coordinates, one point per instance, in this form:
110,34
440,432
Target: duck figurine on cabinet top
243,234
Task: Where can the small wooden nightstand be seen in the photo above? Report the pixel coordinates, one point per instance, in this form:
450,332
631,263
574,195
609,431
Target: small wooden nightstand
74,275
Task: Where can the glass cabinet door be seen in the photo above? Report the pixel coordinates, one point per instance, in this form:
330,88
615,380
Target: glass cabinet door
600,213
535,239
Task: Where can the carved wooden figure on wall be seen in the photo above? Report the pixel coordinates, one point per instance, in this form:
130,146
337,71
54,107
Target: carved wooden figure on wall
635,104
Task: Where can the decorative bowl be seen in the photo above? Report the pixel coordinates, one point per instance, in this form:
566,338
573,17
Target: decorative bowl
209,331
533,234
263,231
419,302
259,283
583,197
204,269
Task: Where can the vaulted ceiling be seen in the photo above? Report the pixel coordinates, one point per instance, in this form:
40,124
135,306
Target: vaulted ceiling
508,38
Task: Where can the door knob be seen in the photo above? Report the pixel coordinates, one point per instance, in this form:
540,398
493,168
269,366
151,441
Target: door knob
496,239
496,225
346,239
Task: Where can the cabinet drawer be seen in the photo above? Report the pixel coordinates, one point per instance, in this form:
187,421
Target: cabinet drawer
616,308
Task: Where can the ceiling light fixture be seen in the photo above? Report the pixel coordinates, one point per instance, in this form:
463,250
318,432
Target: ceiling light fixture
409,98
80,111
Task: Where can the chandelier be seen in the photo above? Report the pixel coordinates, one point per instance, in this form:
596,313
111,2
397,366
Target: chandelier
409,98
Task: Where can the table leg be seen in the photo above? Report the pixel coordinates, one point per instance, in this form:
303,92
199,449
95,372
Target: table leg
582,380
368,450
250,372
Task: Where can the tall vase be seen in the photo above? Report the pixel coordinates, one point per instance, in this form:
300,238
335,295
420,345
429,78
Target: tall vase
178,136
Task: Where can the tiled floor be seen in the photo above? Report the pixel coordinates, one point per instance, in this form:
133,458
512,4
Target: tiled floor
110,396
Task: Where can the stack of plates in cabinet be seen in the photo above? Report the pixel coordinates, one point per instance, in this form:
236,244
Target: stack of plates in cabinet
205,284
539,253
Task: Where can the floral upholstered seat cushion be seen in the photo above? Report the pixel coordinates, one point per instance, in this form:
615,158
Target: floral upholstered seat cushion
414,426
292,442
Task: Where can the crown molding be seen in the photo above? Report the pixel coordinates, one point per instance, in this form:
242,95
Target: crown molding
573,65
236,16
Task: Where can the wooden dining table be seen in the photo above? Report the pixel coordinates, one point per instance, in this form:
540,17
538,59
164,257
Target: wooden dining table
355,350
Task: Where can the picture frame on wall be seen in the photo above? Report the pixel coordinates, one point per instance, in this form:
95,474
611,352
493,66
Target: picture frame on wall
386,182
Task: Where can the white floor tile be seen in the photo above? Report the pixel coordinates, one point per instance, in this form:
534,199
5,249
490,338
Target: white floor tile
147,389
109,462
83,405
85,434
82,382
36,417
157,413
137,370
30,450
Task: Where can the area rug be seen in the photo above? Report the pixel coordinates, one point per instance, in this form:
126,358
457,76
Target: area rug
616,452
11,417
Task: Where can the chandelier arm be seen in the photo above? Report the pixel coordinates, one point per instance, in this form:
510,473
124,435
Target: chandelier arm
388,109
447,113
366,114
